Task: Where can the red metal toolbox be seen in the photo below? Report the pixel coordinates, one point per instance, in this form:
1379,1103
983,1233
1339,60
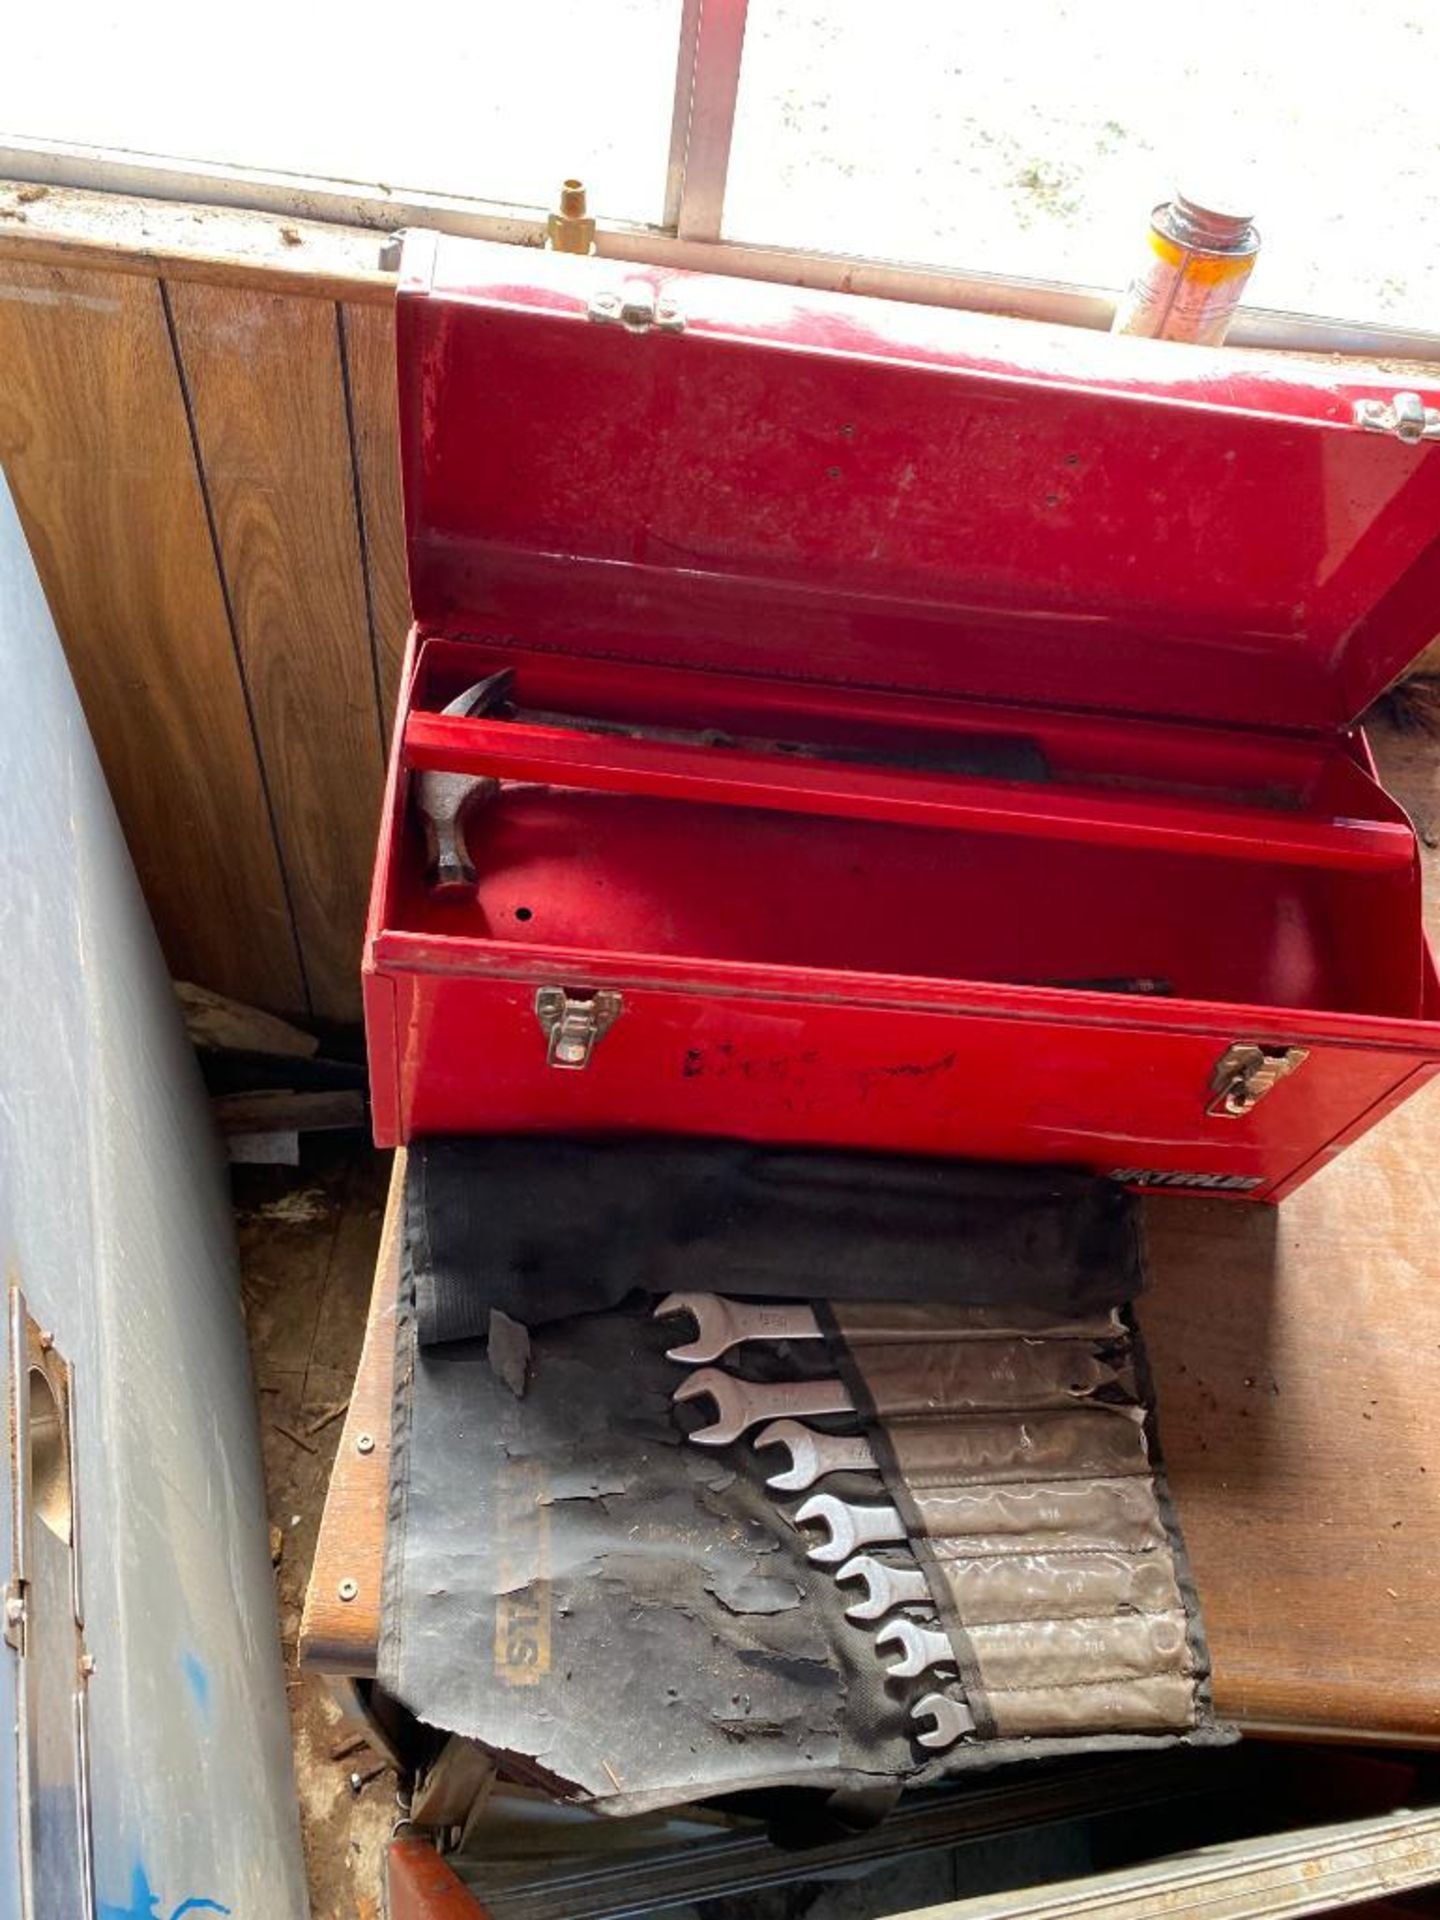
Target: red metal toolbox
914,730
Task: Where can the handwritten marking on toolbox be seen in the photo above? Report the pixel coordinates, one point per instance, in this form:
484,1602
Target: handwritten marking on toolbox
522,1605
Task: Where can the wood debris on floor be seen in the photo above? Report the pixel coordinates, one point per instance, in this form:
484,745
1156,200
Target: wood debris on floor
308,1238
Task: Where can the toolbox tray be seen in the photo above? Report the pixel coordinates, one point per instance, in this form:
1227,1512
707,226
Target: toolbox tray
1296,885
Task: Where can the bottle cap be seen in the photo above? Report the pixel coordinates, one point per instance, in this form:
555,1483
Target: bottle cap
1212,220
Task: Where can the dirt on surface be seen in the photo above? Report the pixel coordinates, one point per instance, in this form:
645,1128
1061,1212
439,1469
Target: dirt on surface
1024,140
308,1238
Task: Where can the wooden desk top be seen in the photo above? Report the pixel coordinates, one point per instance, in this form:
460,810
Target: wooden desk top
1296,1353
340,1623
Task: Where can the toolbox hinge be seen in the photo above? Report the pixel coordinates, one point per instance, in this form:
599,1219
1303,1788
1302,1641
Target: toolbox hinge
1406,417
1246,1072
637,308
573,1023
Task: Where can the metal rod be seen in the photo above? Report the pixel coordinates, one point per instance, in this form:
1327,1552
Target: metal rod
686,55
745,1861
696,183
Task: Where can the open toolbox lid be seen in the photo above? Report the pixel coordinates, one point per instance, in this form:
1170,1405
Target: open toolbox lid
698,470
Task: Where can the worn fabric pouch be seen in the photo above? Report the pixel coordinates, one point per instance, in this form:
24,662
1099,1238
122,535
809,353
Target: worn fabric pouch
631,1616
542,1228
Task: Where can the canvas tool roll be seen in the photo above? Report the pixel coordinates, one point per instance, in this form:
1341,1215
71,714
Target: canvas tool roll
719,1468
1016,1451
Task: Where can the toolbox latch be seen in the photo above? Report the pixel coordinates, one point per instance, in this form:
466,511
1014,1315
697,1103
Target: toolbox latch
573,1023
1406,417
1245,1073
637,308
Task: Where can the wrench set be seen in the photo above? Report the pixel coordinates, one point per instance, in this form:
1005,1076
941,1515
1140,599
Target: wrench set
940,1716
1020,1442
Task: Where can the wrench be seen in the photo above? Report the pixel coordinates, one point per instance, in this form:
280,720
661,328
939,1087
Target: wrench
920,1647
952,1718
885,1586
813,1455
721,1324
745,1403
850,1527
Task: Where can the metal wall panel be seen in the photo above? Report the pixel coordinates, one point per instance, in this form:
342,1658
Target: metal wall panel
114,1221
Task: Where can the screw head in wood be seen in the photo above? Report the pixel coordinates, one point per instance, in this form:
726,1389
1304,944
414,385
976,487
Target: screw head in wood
364,1443
348,1589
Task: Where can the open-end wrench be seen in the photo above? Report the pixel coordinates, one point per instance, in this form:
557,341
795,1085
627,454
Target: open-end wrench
721,1323
920,1647
444,802
850,1527
813,1455
885,1586
740,1404
952,1719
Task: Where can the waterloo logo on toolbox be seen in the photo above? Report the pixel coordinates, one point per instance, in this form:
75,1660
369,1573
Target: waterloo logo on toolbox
1202,1182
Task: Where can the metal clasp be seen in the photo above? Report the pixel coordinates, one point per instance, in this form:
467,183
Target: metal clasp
44,1625
1406,418
15,1615
636,308
574,1024
1245,1073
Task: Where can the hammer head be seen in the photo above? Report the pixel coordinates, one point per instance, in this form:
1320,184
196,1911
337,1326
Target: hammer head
489,695
445,801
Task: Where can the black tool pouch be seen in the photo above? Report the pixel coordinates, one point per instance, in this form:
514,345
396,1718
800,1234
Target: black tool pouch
629,1618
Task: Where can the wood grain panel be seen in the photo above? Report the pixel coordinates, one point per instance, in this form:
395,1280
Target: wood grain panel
94,437
263,372
370,350
121,232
